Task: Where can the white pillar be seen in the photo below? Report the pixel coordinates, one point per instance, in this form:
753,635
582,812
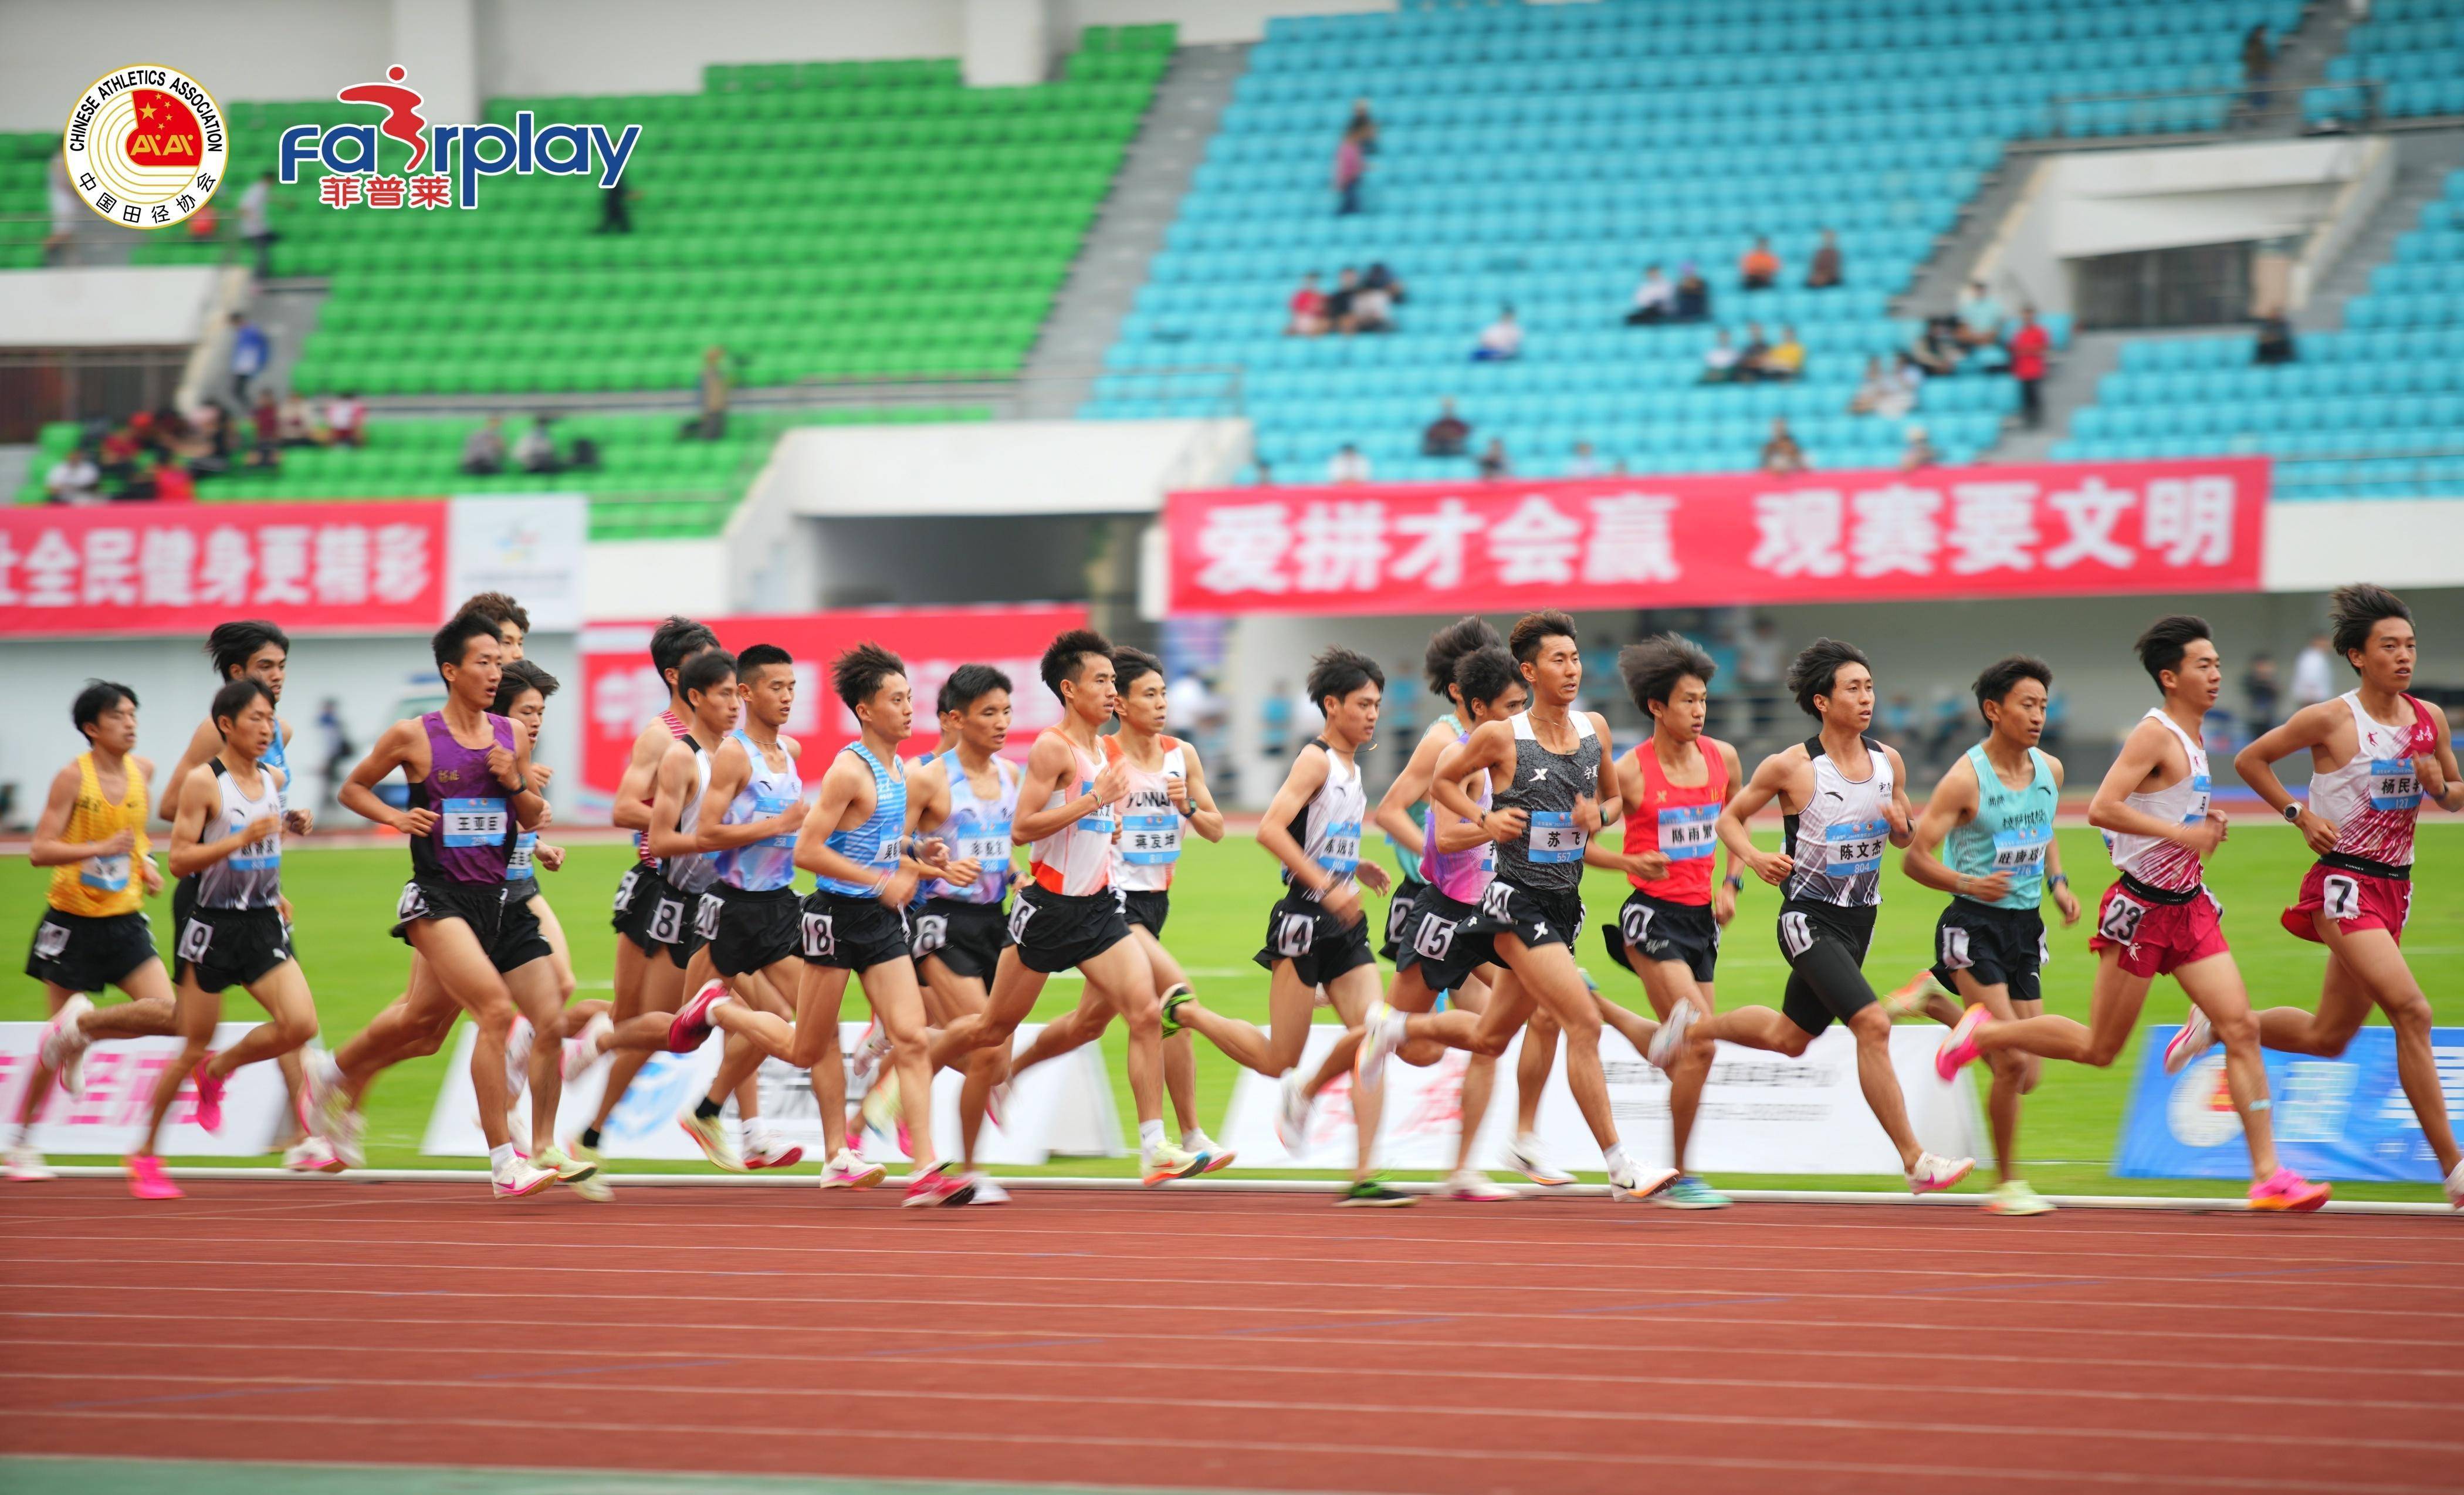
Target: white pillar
1007,42
437,43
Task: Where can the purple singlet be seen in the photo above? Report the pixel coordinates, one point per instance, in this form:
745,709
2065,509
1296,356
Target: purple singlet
474,837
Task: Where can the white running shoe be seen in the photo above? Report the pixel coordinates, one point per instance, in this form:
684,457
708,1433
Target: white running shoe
2454,1185
312,1155
987,1192
1292,1113
762,1150
1163,1162
1524,1157
25,1164
1472,1185
847,1171
64,1045
2189,1044
1932,1175
521,1177
865,1061
1670,1041
1218,1157
587,1046
517,1059
1381,1034
1630,1182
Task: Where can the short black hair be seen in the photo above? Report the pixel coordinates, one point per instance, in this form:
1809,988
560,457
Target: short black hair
969,683
1065,656
502,607
2355,609
858,673
2003,676
99,696
758,656
232,644
1448,647
677,639
1338,672
1533,626
1129,663
521,675
1814,671
703,672
233,698
451,639
1484,674
1653,668
2167,640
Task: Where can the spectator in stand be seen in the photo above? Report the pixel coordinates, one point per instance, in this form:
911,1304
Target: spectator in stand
2313,680
1785,360
1307,310
2275,339
1373,309
1363,125
267,419
483,454
1654,300
1826,271
1583,463
1381,279
1349,464
299,425
1501,340
1980,316
1693,294
537,450
1882,392
1935,349
616,209
1750,358
1350,164
1759,663
1758,270
347,418
1338,302
67,209
2261,689
1447,435
166,481
250,353
1781,453
74,479
2256,62
1919,451
718,384
257,223
117,452
209,447
1492,460
1275,720
2028,348
1720,360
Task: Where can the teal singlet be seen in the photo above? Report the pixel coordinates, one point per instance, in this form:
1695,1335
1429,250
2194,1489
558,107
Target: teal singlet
2010,832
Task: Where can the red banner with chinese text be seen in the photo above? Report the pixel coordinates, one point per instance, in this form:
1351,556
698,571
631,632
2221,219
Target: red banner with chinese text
363,566
2051,530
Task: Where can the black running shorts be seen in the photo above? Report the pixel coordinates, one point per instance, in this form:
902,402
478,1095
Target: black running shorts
80,953
1684,933
1824,946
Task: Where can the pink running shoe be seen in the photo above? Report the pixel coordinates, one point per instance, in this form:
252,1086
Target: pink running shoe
210,1097
773,1153
936,1185
2191,1040
691,1025
2288,1191
147,1180
1959,1049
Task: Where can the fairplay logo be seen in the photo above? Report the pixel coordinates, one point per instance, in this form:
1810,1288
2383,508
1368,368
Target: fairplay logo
146,146
461,152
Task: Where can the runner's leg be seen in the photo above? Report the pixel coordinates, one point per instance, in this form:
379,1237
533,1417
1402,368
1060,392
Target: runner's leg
2214,985
198,1013
2371,961
2009,1070
1121,978
283,993
452,948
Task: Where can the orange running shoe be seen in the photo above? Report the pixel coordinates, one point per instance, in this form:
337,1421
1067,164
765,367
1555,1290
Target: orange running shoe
2287,1190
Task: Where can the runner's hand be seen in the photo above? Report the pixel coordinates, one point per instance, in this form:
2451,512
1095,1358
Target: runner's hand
2432,779
1587,815
414,822
1898,820
933,852
153,876
298,823
1649,866
501,767
1993,887
1723,903
964,872
2202,836
1373,873
2318,830
791,820
119,842
899,891
1177,788
550,858
1771,866
2068,902
260,828
1343,901
541,774
1112,782
1505,826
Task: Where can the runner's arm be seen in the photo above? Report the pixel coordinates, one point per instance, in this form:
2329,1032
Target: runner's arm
846,777
2059,881
2450,795
632,810
528,806
1047,762
188,855
675,781
1899,814
203,743
1275,831
1484,751
49,850
730,767
2143,752
401,746
1769,779
1953,804
2256,766
1723,892
1610,801
1410,787
1203,817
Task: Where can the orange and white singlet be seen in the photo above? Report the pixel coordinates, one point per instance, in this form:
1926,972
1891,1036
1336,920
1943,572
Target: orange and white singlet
1076,860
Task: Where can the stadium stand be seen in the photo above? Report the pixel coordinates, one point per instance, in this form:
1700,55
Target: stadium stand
2375,411
25,206
2416,47
1544,155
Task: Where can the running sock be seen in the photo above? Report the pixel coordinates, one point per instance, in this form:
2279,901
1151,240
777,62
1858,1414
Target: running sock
1529,1141
590,1137
1150,1135
705,1110
500,1158
1615,1159
1191,1139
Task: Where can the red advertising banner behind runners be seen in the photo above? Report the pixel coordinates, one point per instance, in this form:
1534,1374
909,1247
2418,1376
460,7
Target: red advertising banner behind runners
363,566
2053,530
622,691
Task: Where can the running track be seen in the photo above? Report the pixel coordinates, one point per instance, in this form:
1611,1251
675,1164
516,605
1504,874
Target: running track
1236,1341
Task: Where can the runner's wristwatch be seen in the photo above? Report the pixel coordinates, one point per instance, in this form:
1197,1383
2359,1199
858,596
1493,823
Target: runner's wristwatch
2293,813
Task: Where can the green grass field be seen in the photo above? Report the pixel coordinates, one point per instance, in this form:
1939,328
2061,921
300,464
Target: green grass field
343,900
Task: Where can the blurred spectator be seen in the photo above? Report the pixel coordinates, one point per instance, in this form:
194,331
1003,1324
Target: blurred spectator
1275,720
1339,301
718,384
1759,268
257,223
267,419
66,209
1447,435
1349,464
1306,308
347,418
1826,271
1750,358
117,452
1654,300
340,750
1373,309
1381,279
2313,681
298,423
1501,340
204,225
1583,463
1883,391
1492,459
250,352
1693,294
1262,473
166,481
1781,453
1363,125
1919,451
74,479
2261,688
2275,339
1350,164
616,209
2027,346
1758,669
209,446
1719,360
483,454
1897,716
1935,349
1980,316
2256,62
1786,359
537,450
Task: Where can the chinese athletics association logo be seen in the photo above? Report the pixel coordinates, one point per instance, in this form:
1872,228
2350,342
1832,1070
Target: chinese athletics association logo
146,146
458,154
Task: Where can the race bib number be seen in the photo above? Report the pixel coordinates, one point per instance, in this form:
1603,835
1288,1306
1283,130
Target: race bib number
1434,936
1554,837
1689,831
50,939
196,937
821,940
2022,852
1151,839
519,866
412,905
1339,849
988,849
1496,903
767,804
1635,924
706,916
1852,848
2393,785
1295,934
1019,915
1103,820
1795,934
2342,897
932,932
2119,921
2200,787
471,823
105,873
1954,948
667,921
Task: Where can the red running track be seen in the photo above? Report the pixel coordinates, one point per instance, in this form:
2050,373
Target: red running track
1238,1341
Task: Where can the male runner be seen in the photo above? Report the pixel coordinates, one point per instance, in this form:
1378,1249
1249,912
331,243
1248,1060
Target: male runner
1069,808
1995,809
1674,785
1842,795
229,838
92,933
2158,918
471,798
2376,754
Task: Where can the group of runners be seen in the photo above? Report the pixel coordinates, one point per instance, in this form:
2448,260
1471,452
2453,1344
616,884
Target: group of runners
1507,796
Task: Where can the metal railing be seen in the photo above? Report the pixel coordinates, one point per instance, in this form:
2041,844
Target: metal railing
2205,111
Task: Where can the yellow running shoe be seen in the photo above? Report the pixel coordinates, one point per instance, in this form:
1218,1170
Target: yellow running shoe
710,1134
2014,1197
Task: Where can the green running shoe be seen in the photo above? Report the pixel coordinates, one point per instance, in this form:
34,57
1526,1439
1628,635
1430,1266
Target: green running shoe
1372,1194
1689,1193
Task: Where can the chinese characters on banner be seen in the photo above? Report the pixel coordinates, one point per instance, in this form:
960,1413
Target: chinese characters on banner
2079,529
622,691
129,568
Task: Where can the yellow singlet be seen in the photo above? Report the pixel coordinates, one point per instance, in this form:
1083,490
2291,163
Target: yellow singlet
102,886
